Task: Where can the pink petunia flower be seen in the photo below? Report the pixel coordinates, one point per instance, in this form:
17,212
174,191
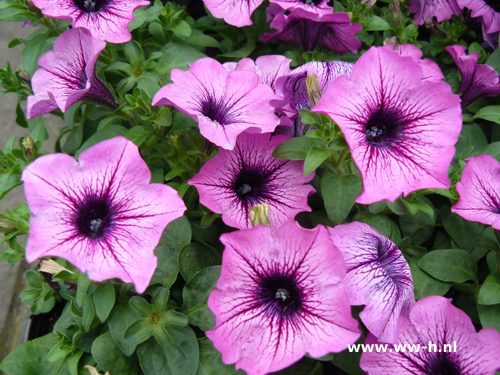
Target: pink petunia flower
67,75
441,9
447,342
309,30
378,277
224,103
100,214
313,6
234,12
234,181
279,296
479,190
431,70
400,128
489,10
478,80
103,19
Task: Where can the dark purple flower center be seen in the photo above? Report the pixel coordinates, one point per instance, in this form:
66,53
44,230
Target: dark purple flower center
89,6
442,365
251,184
312,2
216,111
280,295
93,217
384,127
494,4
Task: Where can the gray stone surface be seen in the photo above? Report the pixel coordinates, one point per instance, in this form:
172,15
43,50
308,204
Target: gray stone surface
8,128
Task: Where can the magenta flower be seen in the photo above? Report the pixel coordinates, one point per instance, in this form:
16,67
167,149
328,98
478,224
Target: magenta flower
479,190
67,75
400,128
431,70
234,181
478,80
279,296
309,30
456,347
490,38
313,6
378,277
234,12
489,10
441,9
100,214
224,103
103,19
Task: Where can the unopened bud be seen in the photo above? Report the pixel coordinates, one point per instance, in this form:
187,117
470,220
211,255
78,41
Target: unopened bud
396,12
29,147
52,267
314,92
31,7
369,2
7,225
434,26
259,214
93,371
391,40
23,74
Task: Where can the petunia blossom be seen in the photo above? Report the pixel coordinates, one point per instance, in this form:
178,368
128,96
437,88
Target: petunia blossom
400,128
234,181
431,70
67,75
490,38
488,10
309,30
234,12
313,6
441,9
478,80
280,295
378,277
103,19
101,214
224,103
447,343
292,90
479,190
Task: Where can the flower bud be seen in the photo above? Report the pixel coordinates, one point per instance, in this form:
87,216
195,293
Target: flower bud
93,371
23,74
369,2
391,40
314,92
434,26
259,214
52,267
29,147
396,12
7,225
31,7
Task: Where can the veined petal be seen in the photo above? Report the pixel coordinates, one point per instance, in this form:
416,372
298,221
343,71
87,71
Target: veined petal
234,12
489,10
441,9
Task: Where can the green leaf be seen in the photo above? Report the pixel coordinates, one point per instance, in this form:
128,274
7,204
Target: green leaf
33,50
134,54
463,232
176,56
471,138
489,315
83,285
449,265
111,132
489,294
308,117
373,23
74,140
494,60
182,29
296,148
425,285
195,257
339,192
110,358
418,227
493,149
490,113
34,279
140,305
180,358
244,51
104,300
315,157
195,295
139,331
145,14
138,134
176,235
31,358
88,313
122,317
211,362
